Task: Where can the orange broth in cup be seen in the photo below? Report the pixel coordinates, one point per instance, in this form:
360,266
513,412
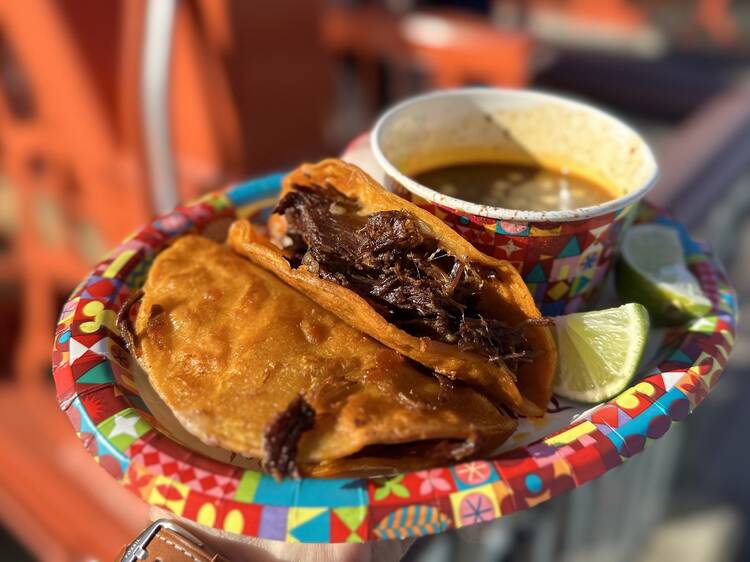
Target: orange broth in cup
514,186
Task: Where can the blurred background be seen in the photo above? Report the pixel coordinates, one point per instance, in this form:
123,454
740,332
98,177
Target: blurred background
113,111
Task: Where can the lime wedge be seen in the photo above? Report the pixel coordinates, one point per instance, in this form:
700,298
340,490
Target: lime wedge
599,351
652,271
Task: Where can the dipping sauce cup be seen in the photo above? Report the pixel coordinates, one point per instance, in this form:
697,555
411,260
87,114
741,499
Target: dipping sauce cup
563,255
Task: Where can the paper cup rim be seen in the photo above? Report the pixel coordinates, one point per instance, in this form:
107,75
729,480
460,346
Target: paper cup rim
502,213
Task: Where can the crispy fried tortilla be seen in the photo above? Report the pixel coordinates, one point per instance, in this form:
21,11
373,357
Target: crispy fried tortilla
402,276
251,365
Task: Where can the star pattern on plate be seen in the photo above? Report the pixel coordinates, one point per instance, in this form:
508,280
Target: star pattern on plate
124,426
509,247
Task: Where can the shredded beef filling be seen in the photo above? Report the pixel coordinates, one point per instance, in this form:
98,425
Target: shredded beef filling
386,259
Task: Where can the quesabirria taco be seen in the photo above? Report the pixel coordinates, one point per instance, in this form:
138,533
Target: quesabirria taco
251,365
403,277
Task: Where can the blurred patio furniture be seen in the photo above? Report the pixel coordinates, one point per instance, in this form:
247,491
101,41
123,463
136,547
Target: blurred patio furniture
452,47
448,48
79,164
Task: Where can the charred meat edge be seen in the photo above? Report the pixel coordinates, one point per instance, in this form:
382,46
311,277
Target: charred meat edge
281,438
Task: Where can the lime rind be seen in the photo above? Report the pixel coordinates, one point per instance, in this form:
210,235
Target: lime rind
652,270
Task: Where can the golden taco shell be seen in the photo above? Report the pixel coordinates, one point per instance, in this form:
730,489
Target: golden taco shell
402,276
251,365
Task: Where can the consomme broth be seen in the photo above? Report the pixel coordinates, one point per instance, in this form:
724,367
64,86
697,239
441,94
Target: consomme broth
514,186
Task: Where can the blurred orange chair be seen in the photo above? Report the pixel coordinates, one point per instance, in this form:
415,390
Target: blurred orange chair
86,147
452,48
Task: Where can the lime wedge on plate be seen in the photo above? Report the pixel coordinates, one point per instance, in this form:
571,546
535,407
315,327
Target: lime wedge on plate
652,271
599,351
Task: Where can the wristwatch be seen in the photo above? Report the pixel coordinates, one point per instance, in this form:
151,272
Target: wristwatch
165,541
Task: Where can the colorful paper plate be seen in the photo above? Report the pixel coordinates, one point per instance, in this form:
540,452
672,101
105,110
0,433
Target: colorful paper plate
97,391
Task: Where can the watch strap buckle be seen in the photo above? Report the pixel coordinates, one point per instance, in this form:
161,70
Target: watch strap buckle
136,550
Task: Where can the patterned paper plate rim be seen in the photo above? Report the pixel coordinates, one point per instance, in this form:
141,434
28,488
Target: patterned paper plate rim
98,394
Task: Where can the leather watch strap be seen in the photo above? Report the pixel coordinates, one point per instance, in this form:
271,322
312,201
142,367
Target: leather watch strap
165,541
